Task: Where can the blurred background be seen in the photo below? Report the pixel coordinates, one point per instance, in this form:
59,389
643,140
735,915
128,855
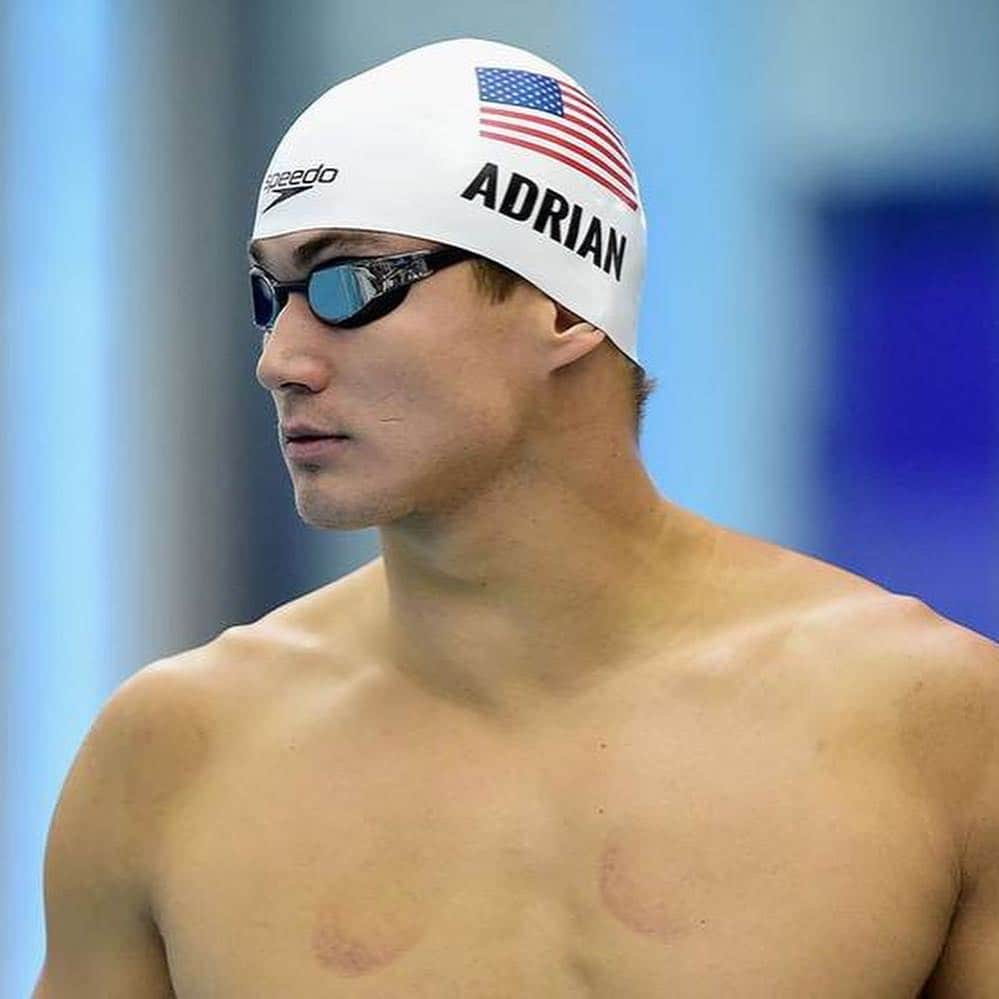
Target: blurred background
821,310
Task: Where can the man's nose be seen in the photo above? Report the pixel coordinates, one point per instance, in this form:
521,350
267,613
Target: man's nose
294,349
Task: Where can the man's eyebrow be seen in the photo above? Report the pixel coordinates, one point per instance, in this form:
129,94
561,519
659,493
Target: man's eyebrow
303,254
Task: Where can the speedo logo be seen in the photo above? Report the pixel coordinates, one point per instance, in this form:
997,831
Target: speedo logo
287,183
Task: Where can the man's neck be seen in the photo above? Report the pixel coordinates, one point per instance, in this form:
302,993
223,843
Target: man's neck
508,611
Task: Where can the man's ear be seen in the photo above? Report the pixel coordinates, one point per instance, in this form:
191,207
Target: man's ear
564,318
577,336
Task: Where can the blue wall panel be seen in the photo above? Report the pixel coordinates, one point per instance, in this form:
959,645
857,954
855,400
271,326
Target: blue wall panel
910,453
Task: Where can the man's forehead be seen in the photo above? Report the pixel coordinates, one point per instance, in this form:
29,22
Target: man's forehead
295,251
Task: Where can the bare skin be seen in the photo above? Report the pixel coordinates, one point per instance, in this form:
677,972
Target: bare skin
564,738
774,807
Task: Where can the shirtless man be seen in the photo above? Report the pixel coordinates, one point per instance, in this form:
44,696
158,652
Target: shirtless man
564,738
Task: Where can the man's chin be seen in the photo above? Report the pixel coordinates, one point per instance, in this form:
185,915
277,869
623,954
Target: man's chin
326,516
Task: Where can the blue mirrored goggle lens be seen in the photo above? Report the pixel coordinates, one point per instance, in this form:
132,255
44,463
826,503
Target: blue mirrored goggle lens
336,294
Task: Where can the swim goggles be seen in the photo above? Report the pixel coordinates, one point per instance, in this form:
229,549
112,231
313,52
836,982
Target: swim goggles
350,292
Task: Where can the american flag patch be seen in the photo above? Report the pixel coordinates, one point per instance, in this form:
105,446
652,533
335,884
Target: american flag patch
555,119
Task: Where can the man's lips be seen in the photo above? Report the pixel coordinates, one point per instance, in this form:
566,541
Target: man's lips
294,431
315,447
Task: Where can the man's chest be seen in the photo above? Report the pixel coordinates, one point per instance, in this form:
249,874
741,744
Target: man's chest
704,852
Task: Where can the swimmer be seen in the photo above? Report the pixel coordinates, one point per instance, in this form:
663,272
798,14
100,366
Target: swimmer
563,737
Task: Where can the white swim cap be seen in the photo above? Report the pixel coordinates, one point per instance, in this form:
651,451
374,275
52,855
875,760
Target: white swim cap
479,145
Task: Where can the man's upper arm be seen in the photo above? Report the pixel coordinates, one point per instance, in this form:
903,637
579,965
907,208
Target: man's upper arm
101,937
969,965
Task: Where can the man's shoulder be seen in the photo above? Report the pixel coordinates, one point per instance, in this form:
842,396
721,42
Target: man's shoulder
887,663
910,704
323,614
895,635
895,649
158,723
949,712
168,720
912,685
902,642
315,637
192,694
183,696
